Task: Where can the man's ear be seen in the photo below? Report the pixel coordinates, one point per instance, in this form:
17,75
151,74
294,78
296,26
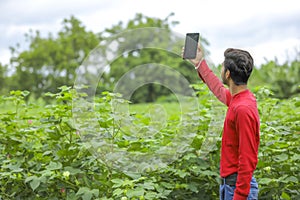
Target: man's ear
227,74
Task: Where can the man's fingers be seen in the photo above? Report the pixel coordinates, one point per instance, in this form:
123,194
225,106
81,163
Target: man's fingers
182,52
199,47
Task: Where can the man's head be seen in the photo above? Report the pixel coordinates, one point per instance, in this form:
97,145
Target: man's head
238,65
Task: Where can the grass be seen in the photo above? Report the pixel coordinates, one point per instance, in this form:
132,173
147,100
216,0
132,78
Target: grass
170,109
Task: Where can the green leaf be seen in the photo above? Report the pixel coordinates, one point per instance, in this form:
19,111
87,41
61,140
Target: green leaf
151,195
285,196
64,88
117,183
193,187
87,196
95,192
82,190
265,181
117,192
34,183
292,179
54,166
47,153
29,178
148,186
86,193
136,192
281,157
133,175
72,170
165,185
209,173
127,183
46,173
181,173
14,168
50,94
296,157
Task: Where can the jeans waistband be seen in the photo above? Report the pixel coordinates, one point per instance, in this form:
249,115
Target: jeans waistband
229,180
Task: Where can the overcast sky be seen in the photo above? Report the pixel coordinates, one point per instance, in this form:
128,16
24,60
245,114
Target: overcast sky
267,29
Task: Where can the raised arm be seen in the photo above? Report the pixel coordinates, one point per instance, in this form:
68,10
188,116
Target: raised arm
213,82
208,77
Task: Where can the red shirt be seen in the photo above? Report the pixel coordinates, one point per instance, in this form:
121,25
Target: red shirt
240,140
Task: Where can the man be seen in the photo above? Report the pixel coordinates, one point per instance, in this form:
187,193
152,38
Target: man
240,139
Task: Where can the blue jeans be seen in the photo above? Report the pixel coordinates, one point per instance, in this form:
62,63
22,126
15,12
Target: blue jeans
227,191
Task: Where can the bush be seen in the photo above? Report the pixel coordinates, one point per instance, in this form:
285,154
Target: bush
45,156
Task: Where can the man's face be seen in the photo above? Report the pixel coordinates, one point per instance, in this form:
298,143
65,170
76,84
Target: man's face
223,75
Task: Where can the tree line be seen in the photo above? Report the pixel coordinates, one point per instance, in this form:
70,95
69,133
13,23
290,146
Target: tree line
52,61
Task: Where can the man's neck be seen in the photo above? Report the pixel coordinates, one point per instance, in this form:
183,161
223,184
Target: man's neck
235,89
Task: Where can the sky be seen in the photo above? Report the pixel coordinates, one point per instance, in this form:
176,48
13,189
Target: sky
267,29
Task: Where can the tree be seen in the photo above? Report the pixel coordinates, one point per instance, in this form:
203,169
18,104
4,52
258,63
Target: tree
156,45
3,82
52,61
282,79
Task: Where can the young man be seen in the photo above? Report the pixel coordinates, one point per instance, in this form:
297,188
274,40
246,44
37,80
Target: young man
240,139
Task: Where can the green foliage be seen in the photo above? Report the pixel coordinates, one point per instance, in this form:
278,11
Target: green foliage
278,173
283,80
51,61
3,71
159,46
44,156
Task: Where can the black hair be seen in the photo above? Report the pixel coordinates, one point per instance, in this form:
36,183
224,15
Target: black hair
240,65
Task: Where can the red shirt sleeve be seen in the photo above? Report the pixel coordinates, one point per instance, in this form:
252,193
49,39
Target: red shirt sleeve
214,83
248,133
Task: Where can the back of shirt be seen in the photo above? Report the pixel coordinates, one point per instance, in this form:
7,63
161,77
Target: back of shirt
240,140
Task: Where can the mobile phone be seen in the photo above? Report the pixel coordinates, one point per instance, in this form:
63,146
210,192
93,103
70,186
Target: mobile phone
191,44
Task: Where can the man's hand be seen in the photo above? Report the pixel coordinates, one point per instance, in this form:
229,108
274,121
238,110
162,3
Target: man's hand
199,55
